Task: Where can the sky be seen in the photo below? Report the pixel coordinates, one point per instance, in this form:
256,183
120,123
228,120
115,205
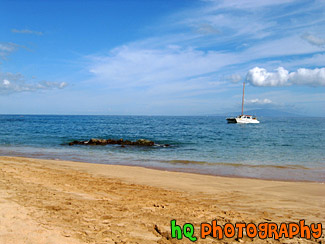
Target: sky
161,57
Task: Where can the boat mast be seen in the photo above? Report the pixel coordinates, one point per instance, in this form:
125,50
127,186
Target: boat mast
242,103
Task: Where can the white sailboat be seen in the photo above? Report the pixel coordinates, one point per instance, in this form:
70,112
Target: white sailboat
243,119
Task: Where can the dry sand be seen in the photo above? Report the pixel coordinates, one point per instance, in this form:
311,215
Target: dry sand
49,201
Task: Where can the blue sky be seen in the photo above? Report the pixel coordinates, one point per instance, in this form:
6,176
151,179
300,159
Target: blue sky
161,57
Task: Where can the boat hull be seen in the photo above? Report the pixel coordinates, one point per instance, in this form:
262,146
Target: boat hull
247,121
240,120
231,120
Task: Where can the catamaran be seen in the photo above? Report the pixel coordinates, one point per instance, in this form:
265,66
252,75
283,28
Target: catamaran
243,119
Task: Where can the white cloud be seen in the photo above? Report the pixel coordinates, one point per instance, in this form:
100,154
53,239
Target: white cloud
258,101
206,29
281,77
314,40
6,82
249,4
27,31
6,48
251,19
314,60
234,78
279,48
62,85
312,77
12,83
260,77
129,66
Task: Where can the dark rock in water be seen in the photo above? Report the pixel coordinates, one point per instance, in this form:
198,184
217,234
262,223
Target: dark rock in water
127,142
78,143
123,143
144,142
110,141
95,141
73,143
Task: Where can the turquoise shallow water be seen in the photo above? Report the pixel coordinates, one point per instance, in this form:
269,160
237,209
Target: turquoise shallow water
277,148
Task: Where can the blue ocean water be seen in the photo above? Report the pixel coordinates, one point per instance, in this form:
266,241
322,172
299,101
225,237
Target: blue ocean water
277,148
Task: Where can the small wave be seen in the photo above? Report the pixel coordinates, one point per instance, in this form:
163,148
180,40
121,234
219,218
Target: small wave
235,164
186,162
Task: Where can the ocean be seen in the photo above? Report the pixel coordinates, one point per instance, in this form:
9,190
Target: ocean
291,149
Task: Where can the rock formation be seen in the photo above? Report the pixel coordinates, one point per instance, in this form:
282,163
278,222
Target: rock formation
95,141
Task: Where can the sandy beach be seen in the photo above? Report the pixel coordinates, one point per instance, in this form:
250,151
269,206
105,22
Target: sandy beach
51,201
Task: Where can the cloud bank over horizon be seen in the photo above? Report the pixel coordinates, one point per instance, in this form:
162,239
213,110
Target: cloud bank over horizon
13,83
259,101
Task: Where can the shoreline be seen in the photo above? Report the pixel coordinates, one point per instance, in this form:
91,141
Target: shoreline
193,170
77,202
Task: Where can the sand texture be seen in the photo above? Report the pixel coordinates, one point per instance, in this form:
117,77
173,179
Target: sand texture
50,201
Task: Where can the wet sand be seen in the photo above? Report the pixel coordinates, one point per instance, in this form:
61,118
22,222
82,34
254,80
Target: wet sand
50,201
